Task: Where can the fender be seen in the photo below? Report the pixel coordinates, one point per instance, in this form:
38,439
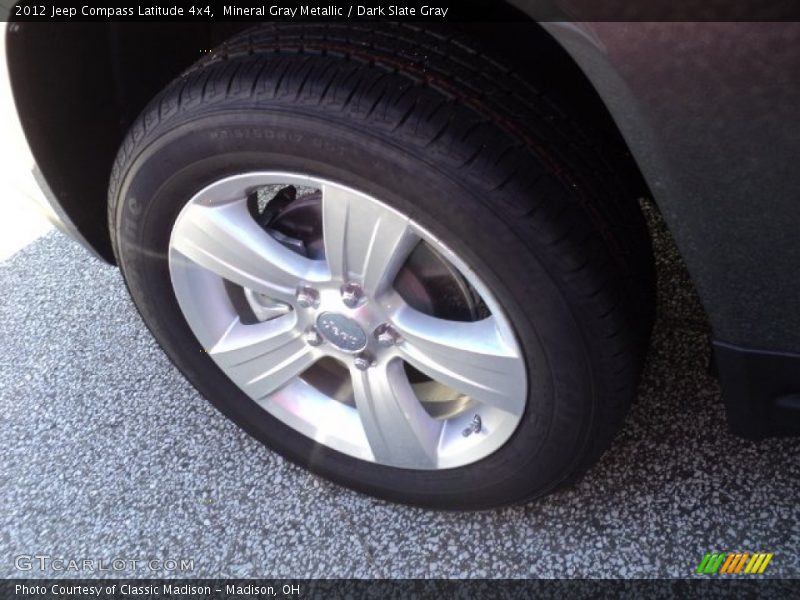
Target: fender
709,112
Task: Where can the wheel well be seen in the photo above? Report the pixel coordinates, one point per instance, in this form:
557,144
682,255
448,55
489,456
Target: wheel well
78,87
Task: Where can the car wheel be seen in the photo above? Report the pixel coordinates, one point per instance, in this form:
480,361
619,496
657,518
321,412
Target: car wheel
388,259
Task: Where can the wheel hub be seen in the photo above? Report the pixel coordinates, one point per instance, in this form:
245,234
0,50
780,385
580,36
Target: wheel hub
343,332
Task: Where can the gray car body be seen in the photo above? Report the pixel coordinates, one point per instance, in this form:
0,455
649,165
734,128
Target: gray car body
709,112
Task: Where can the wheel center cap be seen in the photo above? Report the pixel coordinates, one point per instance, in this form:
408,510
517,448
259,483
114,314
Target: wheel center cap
341,331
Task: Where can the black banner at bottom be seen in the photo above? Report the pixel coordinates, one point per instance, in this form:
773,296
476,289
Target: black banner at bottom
334,589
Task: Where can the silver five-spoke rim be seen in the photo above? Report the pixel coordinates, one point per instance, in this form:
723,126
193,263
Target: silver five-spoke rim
342,307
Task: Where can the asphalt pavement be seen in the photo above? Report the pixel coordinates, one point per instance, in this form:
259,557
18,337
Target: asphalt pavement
106,453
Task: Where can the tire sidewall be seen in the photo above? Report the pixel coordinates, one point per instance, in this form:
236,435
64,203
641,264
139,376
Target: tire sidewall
174,165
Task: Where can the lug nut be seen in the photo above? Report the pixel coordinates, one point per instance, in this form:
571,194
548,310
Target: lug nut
362,362
386,335
352,294
312,336
307,297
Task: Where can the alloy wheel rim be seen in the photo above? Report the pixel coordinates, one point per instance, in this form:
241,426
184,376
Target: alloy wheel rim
343,307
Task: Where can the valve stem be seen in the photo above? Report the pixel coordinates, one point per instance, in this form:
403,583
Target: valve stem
474,427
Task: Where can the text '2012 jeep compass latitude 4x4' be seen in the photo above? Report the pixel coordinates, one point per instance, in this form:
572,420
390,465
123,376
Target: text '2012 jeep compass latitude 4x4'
410,256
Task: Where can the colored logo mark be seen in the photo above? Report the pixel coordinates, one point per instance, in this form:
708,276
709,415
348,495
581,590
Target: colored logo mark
734,563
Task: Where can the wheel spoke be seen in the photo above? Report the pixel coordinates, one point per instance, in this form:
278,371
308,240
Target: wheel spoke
399,431
364,241
227,241
470,357
263,357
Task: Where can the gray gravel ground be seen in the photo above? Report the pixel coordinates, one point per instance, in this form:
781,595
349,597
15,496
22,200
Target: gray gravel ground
106,451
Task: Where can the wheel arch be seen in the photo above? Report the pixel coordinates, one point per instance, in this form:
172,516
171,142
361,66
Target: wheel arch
79,86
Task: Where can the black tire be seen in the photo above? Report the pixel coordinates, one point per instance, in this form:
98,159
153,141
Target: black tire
423,121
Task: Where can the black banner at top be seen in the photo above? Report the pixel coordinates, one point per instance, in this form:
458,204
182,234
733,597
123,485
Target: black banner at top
400,10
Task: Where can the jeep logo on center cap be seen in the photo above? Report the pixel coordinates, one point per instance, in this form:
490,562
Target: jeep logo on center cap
341,331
